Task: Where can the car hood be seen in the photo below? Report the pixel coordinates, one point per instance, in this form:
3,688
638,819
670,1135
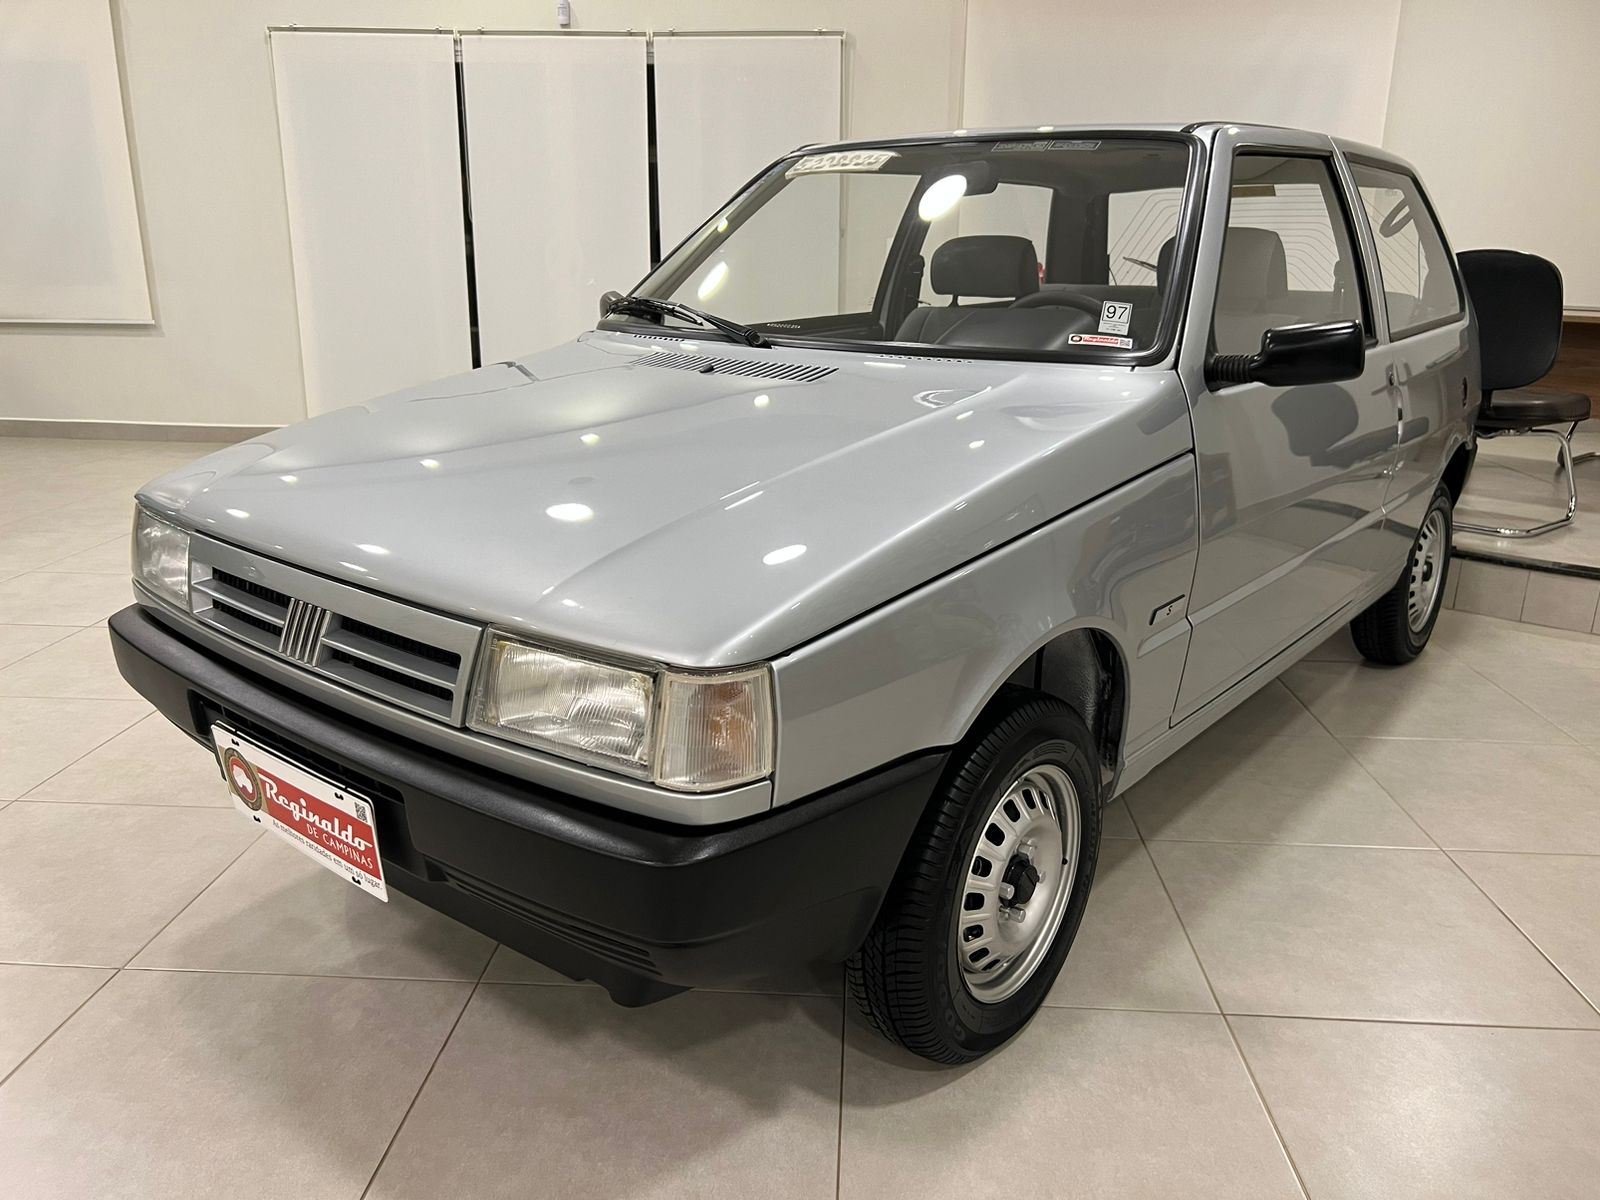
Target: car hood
609,493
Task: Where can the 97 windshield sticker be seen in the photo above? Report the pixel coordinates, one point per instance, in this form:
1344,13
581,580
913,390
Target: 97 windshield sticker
1100,339
840,160
1114,316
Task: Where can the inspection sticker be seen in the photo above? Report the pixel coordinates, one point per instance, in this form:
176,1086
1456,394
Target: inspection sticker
1114,316
1099,339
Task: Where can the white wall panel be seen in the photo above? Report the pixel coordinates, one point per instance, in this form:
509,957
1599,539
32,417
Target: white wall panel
1032,62
727,106
70,247
558,153
372,171
1495,105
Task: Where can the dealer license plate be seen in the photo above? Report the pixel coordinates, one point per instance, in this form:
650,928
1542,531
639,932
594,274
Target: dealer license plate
316,816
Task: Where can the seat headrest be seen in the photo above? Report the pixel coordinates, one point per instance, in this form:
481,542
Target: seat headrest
994,265
1255,274
1517,302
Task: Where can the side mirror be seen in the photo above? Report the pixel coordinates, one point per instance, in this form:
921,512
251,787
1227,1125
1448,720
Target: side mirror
1291,355
607,299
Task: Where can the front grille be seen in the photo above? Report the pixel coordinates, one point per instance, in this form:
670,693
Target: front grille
403,654
756,368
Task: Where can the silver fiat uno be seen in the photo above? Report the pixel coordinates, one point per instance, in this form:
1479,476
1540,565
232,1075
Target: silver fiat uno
813,605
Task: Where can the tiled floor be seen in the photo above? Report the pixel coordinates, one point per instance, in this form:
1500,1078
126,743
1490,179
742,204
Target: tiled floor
1515,481
1345,945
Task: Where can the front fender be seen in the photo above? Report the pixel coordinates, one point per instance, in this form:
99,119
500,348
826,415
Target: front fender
914,674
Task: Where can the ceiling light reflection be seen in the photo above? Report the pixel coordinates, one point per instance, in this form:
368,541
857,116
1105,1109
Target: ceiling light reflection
782,555
942,195
571,511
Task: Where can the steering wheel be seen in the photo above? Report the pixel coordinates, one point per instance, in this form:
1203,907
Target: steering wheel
1059,300
1399,217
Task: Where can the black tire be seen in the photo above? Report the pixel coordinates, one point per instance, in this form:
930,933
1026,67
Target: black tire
1384,632
907,978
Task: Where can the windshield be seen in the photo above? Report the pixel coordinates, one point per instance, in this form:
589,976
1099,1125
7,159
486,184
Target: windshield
1049,247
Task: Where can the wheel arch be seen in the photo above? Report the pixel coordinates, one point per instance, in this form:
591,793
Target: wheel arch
1083,666
1456,470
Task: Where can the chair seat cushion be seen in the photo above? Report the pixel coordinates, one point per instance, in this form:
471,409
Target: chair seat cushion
1520,408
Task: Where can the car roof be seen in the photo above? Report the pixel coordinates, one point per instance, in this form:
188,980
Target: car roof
1345,145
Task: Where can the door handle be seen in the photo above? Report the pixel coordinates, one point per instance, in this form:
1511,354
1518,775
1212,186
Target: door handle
1392,375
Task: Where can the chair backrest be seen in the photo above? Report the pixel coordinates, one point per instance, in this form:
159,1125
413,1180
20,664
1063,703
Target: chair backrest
1516,299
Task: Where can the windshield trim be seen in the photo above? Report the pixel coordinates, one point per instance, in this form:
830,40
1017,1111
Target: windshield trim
1173,304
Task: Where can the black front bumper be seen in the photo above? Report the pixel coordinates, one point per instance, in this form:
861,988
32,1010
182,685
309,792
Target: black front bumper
641,907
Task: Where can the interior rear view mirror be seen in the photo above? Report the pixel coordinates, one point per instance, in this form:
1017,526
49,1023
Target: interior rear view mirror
1292,355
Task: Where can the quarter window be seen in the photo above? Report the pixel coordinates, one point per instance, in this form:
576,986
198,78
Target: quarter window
1287,257
1419,288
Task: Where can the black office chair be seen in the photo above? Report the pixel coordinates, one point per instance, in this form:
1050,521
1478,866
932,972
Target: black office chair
1517,301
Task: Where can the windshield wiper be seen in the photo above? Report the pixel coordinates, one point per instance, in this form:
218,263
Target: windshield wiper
649,306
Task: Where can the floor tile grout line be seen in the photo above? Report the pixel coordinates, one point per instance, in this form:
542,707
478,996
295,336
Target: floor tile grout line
1467,875
31,799
60,1025
87,752
210,883
428,1074
1452,861
1519,702
93,699
838,1145
117,971
100,545
1255,1085
40,649
1464,873
1278,1016
1378,783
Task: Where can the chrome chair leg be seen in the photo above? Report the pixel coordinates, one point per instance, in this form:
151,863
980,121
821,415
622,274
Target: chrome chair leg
1564,462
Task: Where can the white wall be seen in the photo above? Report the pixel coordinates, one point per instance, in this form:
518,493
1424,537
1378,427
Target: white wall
1495,104
1319,66
224,349
1491,100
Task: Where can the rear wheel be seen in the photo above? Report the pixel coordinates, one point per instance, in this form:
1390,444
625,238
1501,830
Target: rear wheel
992,890
1397,626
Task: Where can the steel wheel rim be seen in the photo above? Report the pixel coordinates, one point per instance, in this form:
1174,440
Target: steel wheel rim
1001,936
1427,571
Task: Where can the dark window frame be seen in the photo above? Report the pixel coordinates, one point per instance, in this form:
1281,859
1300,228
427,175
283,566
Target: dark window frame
1174,306
1359,161
1345,201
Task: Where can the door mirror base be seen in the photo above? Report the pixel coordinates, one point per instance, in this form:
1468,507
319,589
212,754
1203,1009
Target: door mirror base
1291,355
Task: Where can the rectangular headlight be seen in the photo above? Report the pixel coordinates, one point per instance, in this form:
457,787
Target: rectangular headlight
688,732
161,558
586,710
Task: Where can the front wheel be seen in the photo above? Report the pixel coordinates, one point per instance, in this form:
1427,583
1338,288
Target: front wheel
993,887
1397,626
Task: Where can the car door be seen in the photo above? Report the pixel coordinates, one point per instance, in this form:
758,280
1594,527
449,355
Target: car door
1291,479
1425,327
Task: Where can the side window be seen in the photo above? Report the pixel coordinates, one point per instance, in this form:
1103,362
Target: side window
1287,256
1014,208
1419,288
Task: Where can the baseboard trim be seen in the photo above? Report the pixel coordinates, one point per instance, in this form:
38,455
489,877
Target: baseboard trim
139,431
1544,565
